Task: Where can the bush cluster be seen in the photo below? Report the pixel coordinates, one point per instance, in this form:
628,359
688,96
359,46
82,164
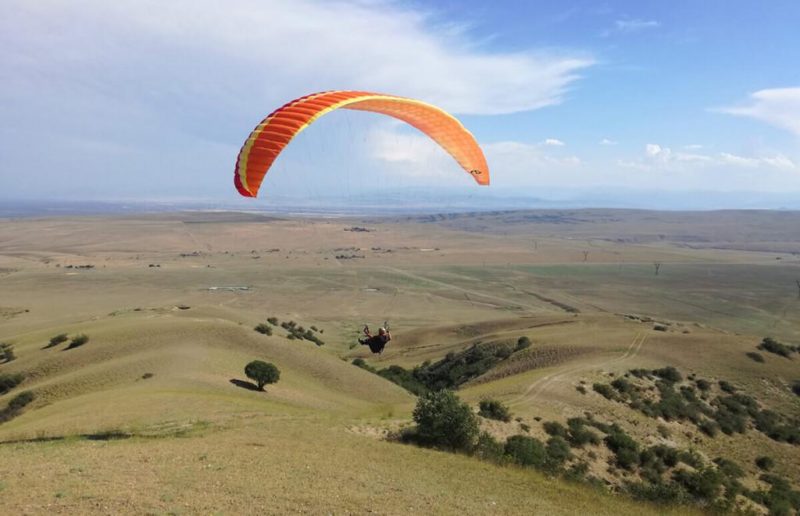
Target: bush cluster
264,329
494,409
730,412
6,352
78,341
56,340
9,381
294,331
450,372
773,346
16,405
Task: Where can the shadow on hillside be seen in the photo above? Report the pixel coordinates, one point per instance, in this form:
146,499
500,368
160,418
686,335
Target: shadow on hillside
245,385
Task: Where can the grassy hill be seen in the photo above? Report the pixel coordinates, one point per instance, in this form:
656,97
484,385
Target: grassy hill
147,416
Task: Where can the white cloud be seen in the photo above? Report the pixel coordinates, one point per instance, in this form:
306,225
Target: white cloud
739,161
553,142
778,106
653,149
631,25
693,146
606,141
663,158
272,50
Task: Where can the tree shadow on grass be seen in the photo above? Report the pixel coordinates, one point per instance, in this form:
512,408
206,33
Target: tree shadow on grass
245,385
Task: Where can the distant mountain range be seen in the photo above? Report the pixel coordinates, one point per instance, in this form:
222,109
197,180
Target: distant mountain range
416,200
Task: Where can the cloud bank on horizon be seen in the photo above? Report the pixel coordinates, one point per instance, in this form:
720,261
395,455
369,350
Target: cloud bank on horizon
145,99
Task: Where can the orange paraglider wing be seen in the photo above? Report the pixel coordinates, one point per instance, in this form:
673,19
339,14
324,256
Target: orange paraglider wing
275,132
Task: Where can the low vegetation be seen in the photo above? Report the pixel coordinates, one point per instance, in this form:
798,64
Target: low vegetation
657,473
262,373
16,405
78,341
297,332
444,421
523,343
6,352
56,340
264,329
773,346
452,371
494,409
9,381
662,393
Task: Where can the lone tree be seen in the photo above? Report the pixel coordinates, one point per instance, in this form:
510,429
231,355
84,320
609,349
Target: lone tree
798,288
445,421
657,265
262,373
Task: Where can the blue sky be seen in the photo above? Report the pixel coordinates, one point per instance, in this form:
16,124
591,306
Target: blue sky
151,100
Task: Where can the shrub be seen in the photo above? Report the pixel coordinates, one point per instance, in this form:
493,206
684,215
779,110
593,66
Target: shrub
796,387
488,448
262,373
622,385
704,484
264,329
554,428
658,492
404,379
604,390
659,327
765,463
272,320
9,381
20,400
624,447
526,451
773,346
444,420
669,374
581,436
522,343
581,389
703,385
7,352
557,451
77,341
727,387
493,409
58,339
360,362
708,427
756,357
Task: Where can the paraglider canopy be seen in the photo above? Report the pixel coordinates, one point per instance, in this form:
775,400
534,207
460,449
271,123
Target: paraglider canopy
275,132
